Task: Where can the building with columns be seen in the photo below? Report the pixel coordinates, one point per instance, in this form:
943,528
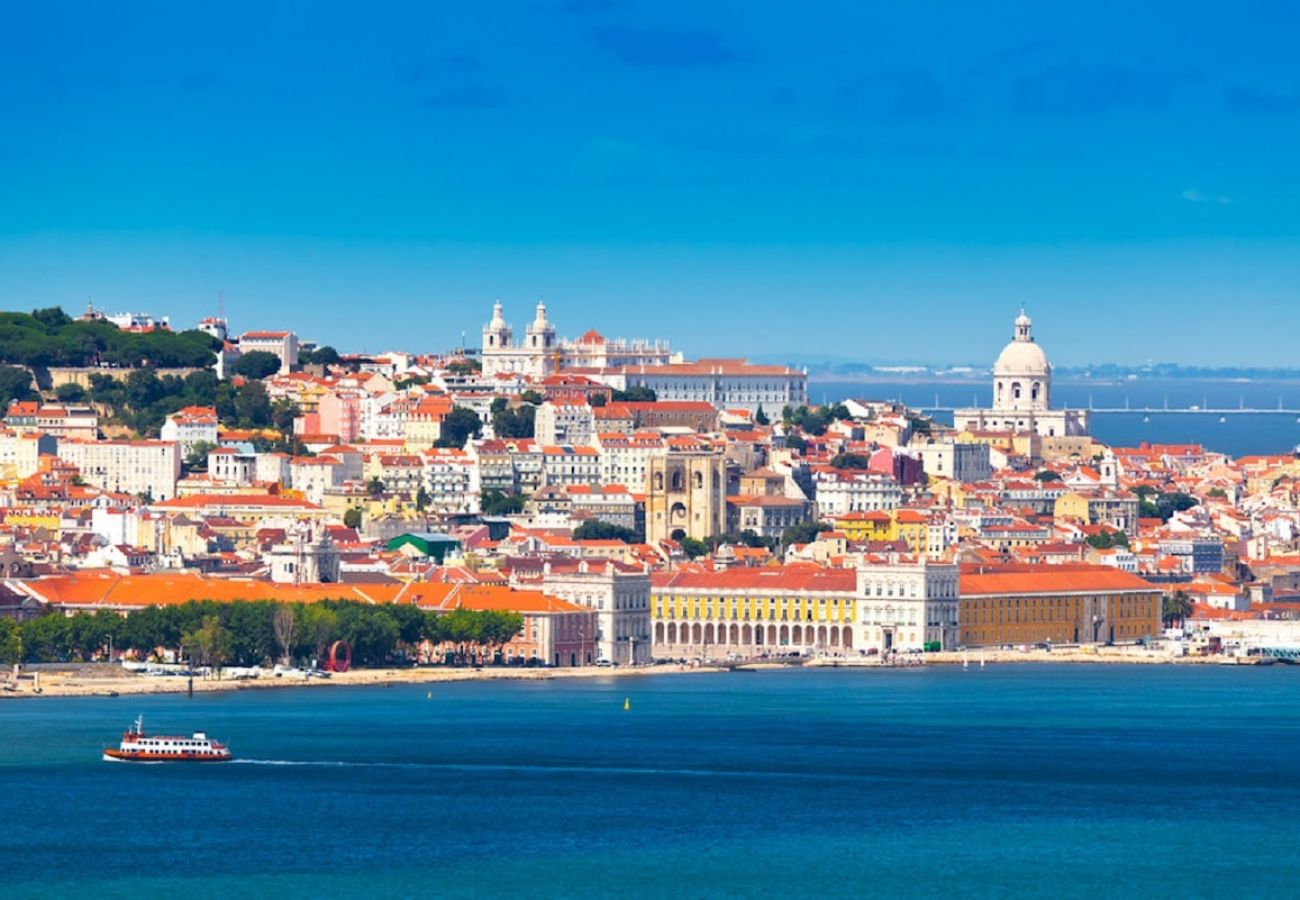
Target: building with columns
878,607
1022,394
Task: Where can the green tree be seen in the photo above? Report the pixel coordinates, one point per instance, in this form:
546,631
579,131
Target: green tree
495,503
1175,607
532,398
422,499
11,642
634,395
760,417
142,388
256,364
1046,475
596,530
15,384
850,461
252,406
1107,539
352,517
803,533
796,442
70,392
209,644
693,547
318,628
321,356
458,426
375,487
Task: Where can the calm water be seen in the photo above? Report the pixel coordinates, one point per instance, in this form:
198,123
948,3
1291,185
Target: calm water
1239,435
1013,780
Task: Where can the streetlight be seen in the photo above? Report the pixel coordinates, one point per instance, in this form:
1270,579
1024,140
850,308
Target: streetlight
110,648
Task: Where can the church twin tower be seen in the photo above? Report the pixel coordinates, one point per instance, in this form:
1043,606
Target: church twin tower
536,357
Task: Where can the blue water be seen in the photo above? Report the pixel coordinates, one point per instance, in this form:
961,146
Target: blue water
1240,435
1007,781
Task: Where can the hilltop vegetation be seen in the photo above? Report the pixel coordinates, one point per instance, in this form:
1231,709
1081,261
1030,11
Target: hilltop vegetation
49,337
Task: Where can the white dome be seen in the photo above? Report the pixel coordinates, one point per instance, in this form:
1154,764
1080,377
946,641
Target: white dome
1023,358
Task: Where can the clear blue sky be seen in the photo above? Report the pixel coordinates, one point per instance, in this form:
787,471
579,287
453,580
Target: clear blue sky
882,181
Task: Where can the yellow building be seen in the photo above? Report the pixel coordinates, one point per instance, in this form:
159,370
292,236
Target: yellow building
866,526
1063,604
747,610
1072,506
913,528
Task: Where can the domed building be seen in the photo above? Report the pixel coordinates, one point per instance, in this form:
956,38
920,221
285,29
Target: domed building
1022,394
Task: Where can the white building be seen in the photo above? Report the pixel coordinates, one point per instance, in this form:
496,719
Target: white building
20,453
839,492
540,354
451,479
625,458
537,356
724,383
142,468
307,556
620,596
564,466
228,466
1022,394
564,422
284,344
959,462
905,606
191,426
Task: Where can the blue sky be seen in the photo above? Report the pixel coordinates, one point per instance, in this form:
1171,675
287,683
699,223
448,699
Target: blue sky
885,182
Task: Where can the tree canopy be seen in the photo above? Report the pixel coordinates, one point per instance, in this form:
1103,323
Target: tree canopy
458,426
256,364
596,530
49,337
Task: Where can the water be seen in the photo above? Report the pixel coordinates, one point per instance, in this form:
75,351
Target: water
1007,781
1240,435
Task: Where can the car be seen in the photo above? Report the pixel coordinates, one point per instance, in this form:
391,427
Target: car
604,664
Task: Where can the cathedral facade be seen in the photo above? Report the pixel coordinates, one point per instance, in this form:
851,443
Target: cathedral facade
540,354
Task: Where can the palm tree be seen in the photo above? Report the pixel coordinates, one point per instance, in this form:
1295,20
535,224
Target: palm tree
1176,607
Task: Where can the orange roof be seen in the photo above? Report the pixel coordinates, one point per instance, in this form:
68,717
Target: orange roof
977,580
777,578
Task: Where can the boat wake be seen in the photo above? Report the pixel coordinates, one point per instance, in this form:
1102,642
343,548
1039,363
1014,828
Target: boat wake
555,769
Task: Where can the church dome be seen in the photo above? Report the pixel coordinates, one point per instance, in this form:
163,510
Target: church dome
1022,357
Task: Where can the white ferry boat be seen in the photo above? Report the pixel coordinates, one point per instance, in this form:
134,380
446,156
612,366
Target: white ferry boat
137,746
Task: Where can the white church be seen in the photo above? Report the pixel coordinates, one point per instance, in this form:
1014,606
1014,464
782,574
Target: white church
540,354
1022,394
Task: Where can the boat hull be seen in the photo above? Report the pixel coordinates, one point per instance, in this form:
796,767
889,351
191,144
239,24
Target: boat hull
120,756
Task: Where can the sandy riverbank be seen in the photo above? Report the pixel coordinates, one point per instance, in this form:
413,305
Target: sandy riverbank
94,681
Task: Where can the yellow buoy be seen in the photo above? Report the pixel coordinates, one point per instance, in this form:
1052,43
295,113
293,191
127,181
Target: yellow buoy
627,704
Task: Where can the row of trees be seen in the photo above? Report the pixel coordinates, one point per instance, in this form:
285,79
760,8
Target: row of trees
257,632
50,337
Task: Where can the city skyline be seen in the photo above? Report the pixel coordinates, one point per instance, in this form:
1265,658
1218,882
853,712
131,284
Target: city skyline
741,184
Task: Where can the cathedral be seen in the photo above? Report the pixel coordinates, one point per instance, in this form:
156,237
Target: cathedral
1022,394
540,354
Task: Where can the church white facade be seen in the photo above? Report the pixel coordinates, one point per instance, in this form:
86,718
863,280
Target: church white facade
540,354
1022,394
